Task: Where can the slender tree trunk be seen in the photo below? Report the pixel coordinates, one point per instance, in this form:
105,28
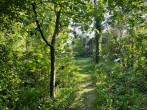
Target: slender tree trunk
52,49
53,73
97,51
97,40
97,35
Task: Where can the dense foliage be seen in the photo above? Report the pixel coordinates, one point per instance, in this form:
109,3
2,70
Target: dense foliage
25,61
25,70
119,88
121,85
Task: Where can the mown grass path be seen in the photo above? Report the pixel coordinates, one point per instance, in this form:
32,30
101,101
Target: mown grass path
86,95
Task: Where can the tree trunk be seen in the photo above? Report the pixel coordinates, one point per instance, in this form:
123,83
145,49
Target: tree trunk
97,51
97,35
52,49
53,73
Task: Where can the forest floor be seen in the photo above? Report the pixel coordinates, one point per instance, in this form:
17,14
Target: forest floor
86,95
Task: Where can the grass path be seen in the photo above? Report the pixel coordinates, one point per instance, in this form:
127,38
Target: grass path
86,95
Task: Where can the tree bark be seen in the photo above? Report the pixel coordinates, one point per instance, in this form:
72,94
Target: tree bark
52,50
97,48
97,35
53,72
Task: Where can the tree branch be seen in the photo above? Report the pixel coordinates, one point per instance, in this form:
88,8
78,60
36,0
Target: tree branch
39,27
56,30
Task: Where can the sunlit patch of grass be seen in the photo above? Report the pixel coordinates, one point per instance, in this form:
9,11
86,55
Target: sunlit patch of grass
85,96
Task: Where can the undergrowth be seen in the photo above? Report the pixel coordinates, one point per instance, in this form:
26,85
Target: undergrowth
119,88
24,85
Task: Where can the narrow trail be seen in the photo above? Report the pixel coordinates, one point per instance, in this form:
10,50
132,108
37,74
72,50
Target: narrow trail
86,95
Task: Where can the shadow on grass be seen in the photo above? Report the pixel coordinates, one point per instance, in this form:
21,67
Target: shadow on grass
86,102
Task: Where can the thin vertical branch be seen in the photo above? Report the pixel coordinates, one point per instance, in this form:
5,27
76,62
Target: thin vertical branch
39,27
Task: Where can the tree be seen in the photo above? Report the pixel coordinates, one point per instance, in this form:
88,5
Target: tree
98,27
59,7
51,45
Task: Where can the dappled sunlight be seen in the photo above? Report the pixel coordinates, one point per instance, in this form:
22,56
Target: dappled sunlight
86,94
73,54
